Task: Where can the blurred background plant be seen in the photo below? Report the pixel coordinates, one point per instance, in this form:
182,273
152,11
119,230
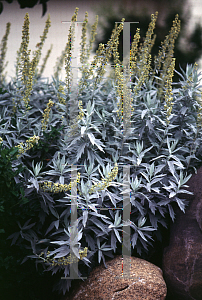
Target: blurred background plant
3,53
27,3
150,124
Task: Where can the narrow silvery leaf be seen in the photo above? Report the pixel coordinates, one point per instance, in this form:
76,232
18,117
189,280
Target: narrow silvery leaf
156,189
144,113
172,194
61,180
80,150
168,145
56,224
177,161
151,171
85,217
54,212
88,108
186,179
96,141
185,192
83,128
142,235
91,137
157,178
95,127
145,176
172,169
180,204
62,253
141,221
99,255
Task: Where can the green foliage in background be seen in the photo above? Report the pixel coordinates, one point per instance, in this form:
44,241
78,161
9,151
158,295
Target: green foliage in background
151,124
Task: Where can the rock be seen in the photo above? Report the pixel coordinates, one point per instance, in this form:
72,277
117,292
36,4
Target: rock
182,259
147,282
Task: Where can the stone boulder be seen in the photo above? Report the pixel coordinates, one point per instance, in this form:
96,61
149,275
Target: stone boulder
182,259
147,282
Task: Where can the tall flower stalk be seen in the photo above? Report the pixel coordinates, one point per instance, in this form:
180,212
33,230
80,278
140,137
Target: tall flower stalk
37,53
68,56
46,114
166,53
26,66
3,53
169,95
